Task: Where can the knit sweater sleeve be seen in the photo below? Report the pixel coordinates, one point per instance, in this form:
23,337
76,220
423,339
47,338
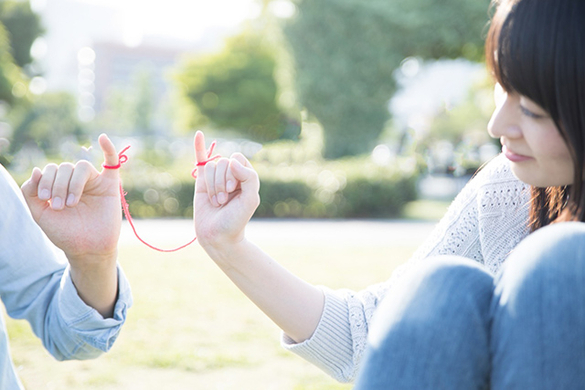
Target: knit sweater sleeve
340,338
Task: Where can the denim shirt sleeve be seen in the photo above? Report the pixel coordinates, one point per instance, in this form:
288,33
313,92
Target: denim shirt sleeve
35,285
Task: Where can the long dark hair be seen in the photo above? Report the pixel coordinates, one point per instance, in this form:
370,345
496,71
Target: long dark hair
537,49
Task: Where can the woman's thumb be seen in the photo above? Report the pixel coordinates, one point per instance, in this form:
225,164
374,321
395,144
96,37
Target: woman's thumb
247,177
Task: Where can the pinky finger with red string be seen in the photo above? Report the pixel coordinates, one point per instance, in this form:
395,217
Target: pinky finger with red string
111,160
200,152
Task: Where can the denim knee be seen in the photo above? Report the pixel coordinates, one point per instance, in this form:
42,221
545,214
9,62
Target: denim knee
432,329
434,291
553,254
538,315
545,271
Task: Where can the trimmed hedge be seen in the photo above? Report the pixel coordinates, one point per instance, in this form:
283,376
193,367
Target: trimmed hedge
288,192
360,198
156,202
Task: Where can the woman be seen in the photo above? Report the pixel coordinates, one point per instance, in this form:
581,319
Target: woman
525,327
441,324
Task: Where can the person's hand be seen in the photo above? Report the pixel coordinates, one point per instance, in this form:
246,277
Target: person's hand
78,207
226,196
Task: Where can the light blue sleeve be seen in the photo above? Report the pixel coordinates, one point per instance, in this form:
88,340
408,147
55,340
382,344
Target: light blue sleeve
35,285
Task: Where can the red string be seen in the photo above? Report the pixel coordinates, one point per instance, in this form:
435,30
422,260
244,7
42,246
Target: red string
202,163
122,158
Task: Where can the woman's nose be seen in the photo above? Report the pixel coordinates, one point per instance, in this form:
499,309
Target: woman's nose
505,119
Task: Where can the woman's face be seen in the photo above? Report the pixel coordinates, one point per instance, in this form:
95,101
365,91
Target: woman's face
530,140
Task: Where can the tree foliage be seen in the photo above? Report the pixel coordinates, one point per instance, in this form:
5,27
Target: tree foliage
23,25
46,121
347,50
235,89
144,105
19,27
9,72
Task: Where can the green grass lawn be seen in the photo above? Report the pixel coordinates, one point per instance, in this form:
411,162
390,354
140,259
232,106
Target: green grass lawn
424,209
190,328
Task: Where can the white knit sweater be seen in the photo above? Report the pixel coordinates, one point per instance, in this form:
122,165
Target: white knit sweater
485,222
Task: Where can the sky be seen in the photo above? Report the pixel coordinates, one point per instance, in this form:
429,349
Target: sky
171,18
179,18
185,25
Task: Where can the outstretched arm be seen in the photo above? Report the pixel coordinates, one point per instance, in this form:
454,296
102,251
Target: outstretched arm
226,196
78,208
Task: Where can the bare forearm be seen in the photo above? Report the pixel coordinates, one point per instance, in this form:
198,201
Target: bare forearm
96,281
293,304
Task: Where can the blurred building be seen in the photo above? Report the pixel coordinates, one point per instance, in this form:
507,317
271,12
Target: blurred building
106,65
90,48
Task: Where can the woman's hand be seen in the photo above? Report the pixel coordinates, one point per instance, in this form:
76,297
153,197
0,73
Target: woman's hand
226,196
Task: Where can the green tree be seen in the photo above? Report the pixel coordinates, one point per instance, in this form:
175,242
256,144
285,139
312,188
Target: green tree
346,52
235,89
144,104
9,71
46,121
23,25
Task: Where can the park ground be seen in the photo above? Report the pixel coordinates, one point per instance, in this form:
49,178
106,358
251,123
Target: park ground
190,328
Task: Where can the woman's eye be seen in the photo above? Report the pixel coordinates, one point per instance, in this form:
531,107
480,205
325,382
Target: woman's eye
529,113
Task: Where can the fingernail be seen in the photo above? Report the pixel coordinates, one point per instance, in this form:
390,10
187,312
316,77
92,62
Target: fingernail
214,201
57,203
45,194
230,186
222,197
70,199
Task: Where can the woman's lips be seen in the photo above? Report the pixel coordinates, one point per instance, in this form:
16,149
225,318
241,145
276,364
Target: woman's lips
514,157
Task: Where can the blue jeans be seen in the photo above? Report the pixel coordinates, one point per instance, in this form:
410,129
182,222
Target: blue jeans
452,325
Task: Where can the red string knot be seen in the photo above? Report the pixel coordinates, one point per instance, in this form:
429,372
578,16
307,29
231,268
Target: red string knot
122,158
202,163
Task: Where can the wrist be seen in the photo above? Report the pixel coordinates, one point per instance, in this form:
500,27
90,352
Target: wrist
225,251
95,278
92,262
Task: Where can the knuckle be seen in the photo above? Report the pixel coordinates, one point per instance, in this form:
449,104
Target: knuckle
222,164
83,164
66,165
50,167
